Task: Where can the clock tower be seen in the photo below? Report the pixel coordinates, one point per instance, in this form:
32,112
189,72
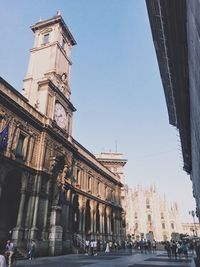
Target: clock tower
47,82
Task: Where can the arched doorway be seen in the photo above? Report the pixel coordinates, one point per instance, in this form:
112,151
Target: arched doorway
75,215
9,204
105,222
112,222
97,219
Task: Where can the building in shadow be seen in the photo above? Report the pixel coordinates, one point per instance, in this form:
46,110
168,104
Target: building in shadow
175,27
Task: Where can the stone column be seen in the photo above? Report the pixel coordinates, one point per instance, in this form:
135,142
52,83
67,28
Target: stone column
101,213
116,226
68,193
83,217
55,235
37,185
45,213
108,221
18,230
71,219
93,218
65,224
81,203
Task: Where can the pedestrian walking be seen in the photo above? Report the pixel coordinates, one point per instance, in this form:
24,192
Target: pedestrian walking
130,247
184,248
32,250
95,247
174,249
2,261
154,246
92,247
87,246
168,249
9,253
141,246
107,248
179,250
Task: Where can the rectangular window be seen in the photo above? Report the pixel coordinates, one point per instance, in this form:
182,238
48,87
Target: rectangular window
105,191
19,149
163,226
49,105
78,177
111,195
98,188
46,38
89,183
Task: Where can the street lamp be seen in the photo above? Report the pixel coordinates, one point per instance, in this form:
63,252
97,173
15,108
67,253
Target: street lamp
192,212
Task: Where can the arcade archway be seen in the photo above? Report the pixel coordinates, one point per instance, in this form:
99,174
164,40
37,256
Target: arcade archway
9,204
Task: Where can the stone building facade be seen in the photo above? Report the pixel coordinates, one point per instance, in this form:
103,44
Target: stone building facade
149,215
191,229
52,189
115,162
175,27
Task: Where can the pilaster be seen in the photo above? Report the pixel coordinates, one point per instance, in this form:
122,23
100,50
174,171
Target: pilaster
18,230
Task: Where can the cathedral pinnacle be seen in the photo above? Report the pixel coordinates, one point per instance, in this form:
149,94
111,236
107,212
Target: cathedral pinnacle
58,13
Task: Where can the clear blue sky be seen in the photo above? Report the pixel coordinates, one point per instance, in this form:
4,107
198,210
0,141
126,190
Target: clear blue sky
115,85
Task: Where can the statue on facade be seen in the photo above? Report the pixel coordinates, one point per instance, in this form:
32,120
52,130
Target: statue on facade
63,174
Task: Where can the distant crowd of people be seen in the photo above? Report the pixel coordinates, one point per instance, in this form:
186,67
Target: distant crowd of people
178,248
92,247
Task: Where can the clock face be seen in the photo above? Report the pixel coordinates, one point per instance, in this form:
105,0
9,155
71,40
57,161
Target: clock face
60,115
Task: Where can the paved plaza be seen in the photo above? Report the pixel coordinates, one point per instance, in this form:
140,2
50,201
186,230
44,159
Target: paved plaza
118,258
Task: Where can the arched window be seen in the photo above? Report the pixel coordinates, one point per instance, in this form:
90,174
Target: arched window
149,217
147,203
135,215
46,38
162,215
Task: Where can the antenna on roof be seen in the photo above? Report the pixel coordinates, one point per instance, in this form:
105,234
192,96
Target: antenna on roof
115,145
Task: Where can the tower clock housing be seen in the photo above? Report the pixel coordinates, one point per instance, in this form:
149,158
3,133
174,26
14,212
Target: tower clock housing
47,82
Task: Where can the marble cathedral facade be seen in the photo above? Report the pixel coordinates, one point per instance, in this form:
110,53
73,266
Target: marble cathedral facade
149,216
52,189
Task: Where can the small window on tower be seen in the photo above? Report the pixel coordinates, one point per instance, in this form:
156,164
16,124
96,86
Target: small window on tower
63,43
46,38
147,203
